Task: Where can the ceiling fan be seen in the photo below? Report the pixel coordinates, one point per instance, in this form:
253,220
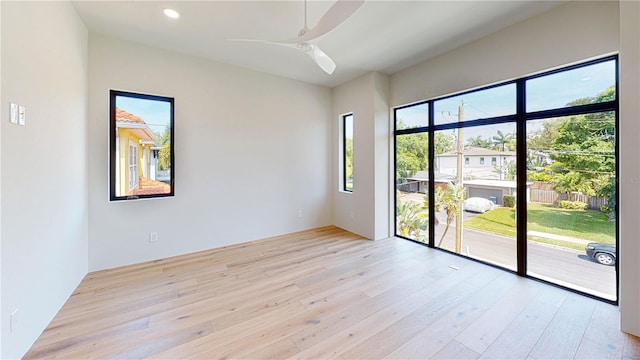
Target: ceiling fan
336,15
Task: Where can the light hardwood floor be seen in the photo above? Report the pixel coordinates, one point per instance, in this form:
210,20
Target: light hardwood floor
327,293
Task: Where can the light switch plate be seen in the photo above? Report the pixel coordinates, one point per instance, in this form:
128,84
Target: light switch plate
13,321
21,115
13,117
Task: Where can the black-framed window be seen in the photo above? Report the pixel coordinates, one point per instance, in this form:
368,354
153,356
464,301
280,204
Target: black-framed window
347,152
553,146
141,146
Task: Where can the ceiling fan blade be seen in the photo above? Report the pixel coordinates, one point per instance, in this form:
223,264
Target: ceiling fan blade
260,41
336,15
323,60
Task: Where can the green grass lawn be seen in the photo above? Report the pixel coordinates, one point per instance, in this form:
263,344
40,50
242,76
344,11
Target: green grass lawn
583,224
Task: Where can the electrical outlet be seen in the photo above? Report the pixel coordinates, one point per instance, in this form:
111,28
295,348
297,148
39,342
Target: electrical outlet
153,236
299,213
13,320
21,115
351,214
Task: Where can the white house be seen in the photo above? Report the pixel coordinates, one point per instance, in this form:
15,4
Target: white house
478,163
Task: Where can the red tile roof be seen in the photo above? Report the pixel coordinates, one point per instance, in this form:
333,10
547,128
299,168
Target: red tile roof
124,116
143,131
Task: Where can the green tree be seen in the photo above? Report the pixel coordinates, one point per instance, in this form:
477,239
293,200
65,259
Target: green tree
444,143
164,155
507,170
542,139
501,140
450,200
412,154
478,141
539,143
349,159
411,220
584,150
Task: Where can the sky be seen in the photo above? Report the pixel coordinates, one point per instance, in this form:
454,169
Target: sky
348,129
544,93
155,113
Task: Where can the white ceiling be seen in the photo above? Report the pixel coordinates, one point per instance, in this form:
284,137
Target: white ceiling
384,36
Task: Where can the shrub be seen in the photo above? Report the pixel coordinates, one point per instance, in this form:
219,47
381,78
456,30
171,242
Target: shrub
572,205
509,201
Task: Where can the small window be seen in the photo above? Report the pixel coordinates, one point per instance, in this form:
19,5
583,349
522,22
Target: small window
133,165
141,146
481,161
494,161
347,152
466,161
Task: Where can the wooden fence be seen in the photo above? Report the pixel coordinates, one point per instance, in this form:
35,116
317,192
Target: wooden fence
541,192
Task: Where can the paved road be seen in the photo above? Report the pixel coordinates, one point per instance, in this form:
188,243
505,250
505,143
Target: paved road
568,267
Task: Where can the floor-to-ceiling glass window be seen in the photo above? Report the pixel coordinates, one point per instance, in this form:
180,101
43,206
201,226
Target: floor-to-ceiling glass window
475,170
521,175
571,166
412,181
475,192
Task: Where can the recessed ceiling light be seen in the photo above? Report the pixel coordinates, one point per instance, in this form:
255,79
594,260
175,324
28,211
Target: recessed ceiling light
171,13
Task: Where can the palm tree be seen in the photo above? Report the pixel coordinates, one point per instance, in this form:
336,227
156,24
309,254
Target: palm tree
501,139
450,200
411,220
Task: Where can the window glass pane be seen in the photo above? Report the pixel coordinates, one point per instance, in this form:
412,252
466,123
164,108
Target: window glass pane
571,236
412,186
475,201
141,146
412,116
570,188
348,152
585,85
493,102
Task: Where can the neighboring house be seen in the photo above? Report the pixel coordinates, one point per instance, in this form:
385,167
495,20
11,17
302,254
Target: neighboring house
494,190
419,182
477,163
539,159
137,157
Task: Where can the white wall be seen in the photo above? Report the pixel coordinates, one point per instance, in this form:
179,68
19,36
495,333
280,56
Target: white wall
2,109
629,166
44,178
365,211
251,150
568,34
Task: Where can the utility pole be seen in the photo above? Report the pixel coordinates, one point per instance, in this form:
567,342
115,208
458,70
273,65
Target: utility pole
460,149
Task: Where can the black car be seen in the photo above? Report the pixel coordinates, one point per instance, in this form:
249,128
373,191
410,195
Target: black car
605,254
